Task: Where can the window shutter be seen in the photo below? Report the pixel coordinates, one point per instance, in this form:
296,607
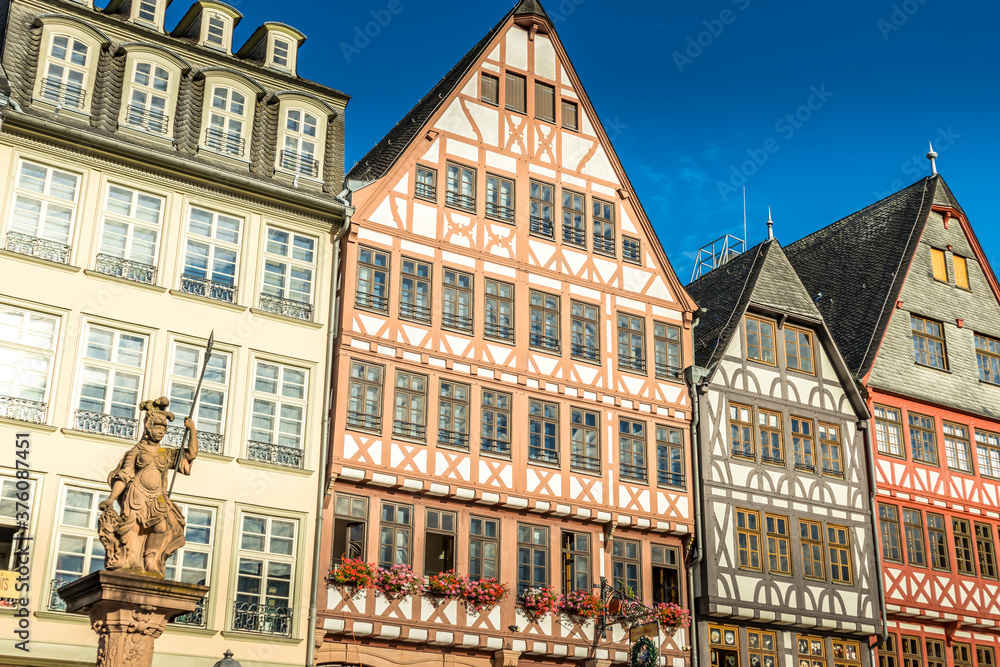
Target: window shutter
545,102
569,116
961,272
516,93
937,262
491,89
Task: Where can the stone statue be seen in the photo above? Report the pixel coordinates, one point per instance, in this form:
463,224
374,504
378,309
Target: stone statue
150,527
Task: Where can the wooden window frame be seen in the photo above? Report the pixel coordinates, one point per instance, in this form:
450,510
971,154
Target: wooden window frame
965,549
542,312
581,424
759,323
371,422
603,243
960,265
838,542
538,224
761,645
811,537
913,534
748,537
666,559
842,653
496,303
911,651
370,300
988,454
455,198
938,545
627,335
422,189
670,450
986,656
883,427
573,234
961,654
495,210
744,428
925,343
577,561
494,445
953,450
631,250
939,265
451,432
724,632
988,358
495,101
409,428
925,455
794,350
436,516
892,547
986,550
508,78
936,653
396,527
888,653
575,126
483,540
831,449
767,433
806,650
779,544
541,89
409,272
666,349
452,294
633,465
540,452
803,444
625,563
585,343
349,520
531,547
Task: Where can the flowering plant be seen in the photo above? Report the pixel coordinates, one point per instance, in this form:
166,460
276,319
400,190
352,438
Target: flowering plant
445,586
581,605
484,594
397,582
352,575
539,603
670,615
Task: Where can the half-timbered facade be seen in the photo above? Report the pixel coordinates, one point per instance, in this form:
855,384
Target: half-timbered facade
913,303
789,571
158,186
510,400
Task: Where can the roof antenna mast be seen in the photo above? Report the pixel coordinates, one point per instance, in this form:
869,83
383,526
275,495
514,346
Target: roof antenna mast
744,216
932,156
770,225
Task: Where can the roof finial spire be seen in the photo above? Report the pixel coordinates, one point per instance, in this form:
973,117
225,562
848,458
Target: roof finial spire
932,156
770,225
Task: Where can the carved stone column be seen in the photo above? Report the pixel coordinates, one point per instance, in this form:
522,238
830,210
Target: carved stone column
128,611
505,657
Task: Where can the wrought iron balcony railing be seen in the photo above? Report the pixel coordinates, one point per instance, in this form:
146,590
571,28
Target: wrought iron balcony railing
771,460
300,163
221,141
629,471
464,202
208,443
24,244
208,288
542,454
456,321
150,120
743,453
498,447
629,363
805,466
588,352
505,213
574,236
585,463
604,245
364,421
426,191
453,438
127,269
540,226
415,312
630,250
294,309
195,618
262,619
373,301
55,602
667,372
22,410
498,331
67,95
548,343
102,423
265,452
409,430
669,478
836,472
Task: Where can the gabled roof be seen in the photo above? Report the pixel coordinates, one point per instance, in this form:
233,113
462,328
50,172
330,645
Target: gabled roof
529,8
855,268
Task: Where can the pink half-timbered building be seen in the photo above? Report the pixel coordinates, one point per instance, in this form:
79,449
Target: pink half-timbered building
510,399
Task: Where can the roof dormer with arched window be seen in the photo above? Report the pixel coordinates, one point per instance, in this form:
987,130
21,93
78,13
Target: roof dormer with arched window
67,63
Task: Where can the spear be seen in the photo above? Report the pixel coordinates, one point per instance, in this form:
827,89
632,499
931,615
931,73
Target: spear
194,405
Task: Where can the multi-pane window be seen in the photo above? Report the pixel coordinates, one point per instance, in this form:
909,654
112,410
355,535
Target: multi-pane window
78,551
988,358
542,199
799,350
830,450
771,441
216,31
962,534
281,55
453,417
913,655
741,430
279,405
939,265
985,656
409,417
350,527
570,115
111,375
923,438
543,431
957,448
988,453
147,10
811,651
888,516
484,548
395,534
778,544
544,319
440,536
585,439
838,539
961,655
888,654
426,183
499,198
545,102
928,343
846,654
185,369
630,250
266,563
364,408
803,444
913,529
625,565
461,184
289,268
574,219
961,272
632,449
631,343
44,208
763,648
499,319
147,109
130,232
667,351
192,563
604,227
65,82
586,328
748,538
811,542
669,456
373,280
415,290
986,550
490,90
888,431
456,300
516,93
532,557
576,562
666,575
301,141
760,339
211,255
226,121
936,654
495,415
27,355
938,539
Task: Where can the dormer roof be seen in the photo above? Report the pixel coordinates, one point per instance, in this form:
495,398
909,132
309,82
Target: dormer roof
258,39
190,23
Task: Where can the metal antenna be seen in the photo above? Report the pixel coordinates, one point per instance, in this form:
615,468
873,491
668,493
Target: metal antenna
770,225
744,216
194,405
932,156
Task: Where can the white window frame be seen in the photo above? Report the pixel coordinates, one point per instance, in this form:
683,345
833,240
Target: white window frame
93,555
213,246
227,31
221,363
279,399
68,94
193,546
288,263
293,159
141,115
220,120
27,358
11,519
133,225
272,51
45,202
271,623
112,367
140,6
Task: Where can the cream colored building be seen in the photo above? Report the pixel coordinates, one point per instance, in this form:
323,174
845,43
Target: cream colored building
159,186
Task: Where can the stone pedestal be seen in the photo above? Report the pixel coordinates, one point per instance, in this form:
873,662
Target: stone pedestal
128,611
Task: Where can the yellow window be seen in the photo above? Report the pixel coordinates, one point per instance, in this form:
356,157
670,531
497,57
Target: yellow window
939,266
961,272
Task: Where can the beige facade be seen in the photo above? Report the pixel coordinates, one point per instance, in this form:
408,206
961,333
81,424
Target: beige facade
157,189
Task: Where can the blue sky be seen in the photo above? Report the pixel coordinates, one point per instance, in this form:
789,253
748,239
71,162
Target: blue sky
690,91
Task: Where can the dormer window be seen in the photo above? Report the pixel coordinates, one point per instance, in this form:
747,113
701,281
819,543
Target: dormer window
216,31
281,53
301,136
227,119
66,75
147,10
148,107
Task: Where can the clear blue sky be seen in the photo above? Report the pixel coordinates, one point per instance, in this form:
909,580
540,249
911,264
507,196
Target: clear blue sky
898,73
